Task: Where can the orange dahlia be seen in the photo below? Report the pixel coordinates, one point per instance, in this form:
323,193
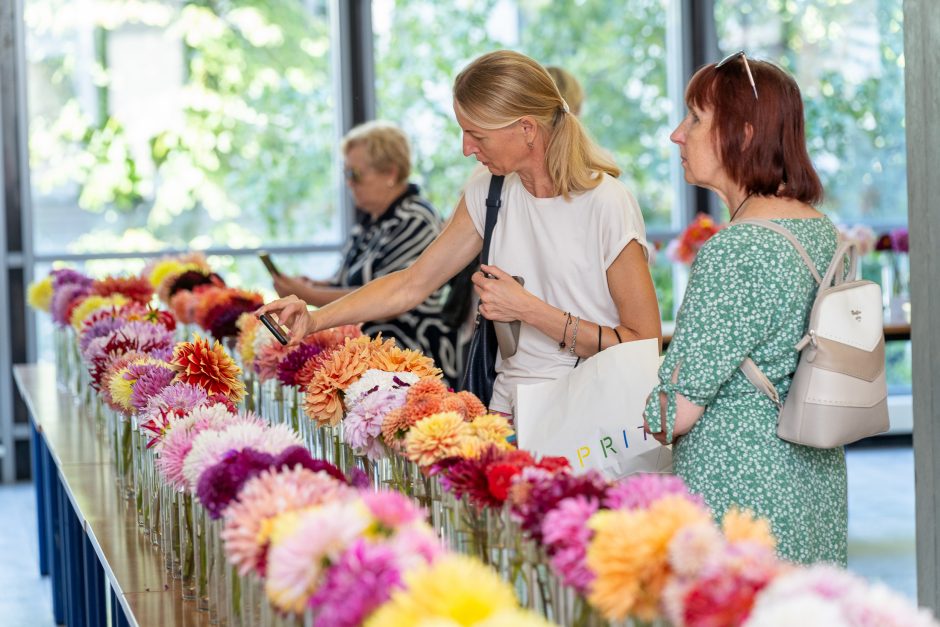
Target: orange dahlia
397,422
135,288
426,386
183,304
474,406
305,375
336,336
343,368
323,406
209,367
742,525
406,360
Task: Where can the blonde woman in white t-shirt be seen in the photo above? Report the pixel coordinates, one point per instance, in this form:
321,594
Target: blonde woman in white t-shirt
567,226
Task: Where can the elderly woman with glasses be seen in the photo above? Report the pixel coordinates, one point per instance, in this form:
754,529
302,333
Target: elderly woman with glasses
394,224
567,226
749,294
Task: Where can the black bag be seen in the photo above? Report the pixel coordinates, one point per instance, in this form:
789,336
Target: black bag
480,373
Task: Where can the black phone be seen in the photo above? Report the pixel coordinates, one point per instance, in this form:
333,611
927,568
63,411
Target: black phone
266,260
275,329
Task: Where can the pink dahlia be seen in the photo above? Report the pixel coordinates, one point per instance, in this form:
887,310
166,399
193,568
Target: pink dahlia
210,446
261,499
642,490
363,578
566,536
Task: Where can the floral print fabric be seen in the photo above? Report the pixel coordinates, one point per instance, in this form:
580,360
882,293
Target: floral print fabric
749,294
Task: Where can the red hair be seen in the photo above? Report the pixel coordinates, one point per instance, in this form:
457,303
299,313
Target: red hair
774,162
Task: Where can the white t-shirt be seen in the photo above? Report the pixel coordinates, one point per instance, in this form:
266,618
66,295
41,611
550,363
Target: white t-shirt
562,249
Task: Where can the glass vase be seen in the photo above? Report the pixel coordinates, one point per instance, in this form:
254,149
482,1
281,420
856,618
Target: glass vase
896,287
200,555
188,565
170,534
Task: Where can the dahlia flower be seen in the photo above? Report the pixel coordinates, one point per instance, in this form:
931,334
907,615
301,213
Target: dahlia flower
209,367
247,523
210,446
297,560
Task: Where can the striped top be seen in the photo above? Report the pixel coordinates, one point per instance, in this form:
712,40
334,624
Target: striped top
392,242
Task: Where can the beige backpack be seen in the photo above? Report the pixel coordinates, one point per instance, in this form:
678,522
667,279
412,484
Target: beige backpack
839,393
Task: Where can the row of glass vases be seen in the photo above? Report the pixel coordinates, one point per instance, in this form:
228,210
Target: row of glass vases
190,541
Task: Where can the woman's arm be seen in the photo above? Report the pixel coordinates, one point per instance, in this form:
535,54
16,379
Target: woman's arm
317,293
631,289
393,294
687,414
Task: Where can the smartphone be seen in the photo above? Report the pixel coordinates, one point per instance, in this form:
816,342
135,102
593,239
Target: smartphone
266,260
275,329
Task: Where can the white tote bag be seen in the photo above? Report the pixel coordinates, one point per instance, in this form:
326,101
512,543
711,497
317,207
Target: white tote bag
594,414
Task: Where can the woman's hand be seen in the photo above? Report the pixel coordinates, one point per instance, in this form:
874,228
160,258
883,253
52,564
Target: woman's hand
659,437
292,313
502,298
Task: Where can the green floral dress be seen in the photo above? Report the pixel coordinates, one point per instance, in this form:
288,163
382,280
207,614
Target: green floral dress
749,294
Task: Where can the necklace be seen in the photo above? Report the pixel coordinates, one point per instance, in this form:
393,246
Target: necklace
743,202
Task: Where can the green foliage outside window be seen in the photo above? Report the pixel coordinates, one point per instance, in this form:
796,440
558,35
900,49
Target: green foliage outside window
247,156
848,58
617,52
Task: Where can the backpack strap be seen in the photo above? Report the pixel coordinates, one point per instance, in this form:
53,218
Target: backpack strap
773,226
759,380
750,369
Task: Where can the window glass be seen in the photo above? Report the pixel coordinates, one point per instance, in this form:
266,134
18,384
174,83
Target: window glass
616,50
166,124
848,58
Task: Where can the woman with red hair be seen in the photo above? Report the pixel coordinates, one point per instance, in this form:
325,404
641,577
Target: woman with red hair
749,295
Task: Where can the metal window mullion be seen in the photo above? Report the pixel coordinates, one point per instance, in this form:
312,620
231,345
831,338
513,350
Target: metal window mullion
15,230
353,80
232,252
700,39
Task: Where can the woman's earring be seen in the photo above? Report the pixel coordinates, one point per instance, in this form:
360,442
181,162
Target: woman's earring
531,145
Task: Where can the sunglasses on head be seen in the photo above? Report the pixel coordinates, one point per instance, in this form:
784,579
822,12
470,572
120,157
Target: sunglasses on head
747,67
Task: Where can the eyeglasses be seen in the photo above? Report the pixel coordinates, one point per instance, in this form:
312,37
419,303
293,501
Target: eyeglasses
352,175
747,67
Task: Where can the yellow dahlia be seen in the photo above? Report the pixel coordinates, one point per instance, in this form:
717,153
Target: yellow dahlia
455,589
629,555
39,295
435,438
245,345
491,428
209,367
122,386
744,526
162,270
91,304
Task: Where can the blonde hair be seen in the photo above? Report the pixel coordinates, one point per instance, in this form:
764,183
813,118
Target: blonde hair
501,87
569,87
385,144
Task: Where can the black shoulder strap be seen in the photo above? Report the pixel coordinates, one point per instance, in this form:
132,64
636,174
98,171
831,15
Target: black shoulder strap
493,202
